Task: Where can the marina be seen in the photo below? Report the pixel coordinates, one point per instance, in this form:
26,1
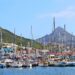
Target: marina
37,37
46,59
20,56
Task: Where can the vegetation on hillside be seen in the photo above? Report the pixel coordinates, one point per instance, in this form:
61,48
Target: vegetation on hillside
9,37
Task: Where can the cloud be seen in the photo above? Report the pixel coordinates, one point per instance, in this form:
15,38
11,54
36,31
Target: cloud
66,13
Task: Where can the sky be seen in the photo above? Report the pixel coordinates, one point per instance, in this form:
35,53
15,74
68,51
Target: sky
22,14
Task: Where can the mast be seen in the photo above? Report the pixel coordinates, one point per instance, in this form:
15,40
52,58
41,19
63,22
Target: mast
52,38
14,37
54,41
64,27
14,43
21,40
1,40
53,24
44,42
31,37
64,41
72,41
1,37
59,41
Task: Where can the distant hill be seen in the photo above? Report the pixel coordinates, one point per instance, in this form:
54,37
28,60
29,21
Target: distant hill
58,36
9,37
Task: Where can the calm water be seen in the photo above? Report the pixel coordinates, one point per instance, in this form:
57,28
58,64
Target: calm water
39,71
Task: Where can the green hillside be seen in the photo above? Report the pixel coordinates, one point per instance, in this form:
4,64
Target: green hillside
9,37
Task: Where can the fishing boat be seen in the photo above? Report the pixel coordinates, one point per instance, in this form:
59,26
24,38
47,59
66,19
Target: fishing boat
70,63
2,66
60,64
8,62
16,64
24,65
40,64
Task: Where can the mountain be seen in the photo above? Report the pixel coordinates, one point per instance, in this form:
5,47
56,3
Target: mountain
9,37
59,35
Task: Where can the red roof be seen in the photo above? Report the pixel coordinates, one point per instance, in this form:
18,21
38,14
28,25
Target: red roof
62,53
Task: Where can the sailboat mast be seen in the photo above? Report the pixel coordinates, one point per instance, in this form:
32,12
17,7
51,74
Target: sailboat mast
53,23
14,43
1,37
64,27
21,40
64,36
72,41
53,32
59,41
1,40
52,38
31,37
14,36
44,42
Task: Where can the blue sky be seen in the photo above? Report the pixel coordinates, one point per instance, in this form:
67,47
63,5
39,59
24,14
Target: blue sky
21,14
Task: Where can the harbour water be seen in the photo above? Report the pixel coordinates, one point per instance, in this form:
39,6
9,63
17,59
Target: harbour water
39,71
